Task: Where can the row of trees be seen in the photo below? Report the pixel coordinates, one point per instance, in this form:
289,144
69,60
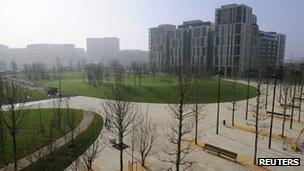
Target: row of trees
13,113
289,80
122,113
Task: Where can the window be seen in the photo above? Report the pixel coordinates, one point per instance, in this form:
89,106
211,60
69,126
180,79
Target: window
216,60
237,50
204,31
237,39
239,13
217,30
215,50
219,17
236,61
238,28
244,15
217,40
203,51
202,41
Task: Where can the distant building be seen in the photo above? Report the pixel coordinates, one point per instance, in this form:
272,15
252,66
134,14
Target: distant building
272,49
191,45
45,53
187,45
126,57
236,45
159,46
103,49
232,44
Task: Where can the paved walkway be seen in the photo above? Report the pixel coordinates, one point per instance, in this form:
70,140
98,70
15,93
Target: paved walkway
236,140
27,160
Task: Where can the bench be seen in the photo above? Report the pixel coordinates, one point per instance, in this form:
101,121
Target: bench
278,114
289,106
220,151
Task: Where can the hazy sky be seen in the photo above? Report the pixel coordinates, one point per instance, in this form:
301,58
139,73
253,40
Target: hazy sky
72,21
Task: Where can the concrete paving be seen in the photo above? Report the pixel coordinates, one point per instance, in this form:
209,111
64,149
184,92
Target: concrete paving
236,140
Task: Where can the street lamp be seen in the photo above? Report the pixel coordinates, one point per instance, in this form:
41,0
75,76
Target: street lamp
276,76
249,72
219,73
269,68
295,74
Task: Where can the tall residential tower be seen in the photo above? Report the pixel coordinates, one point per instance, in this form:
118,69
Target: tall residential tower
236,45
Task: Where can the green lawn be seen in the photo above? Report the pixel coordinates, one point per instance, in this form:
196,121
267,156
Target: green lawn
65,155
158,89
35,95
29,138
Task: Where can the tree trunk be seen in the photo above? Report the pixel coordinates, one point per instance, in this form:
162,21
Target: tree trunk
283,125
293,100
196,123
121,152
247,100
256,127
143,161
1,136
180,127
300,101
15,150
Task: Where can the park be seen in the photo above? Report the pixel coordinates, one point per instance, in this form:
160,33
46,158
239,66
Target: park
154,100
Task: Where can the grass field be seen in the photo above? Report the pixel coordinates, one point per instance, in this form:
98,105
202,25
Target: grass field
158,89
35,95
65,155
32,94
29,138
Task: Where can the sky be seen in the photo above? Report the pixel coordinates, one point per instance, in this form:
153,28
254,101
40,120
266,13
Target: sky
25,22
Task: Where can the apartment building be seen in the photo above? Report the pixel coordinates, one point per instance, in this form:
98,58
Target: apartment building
190,45
272,49
159,47
236,45
102,49
232,44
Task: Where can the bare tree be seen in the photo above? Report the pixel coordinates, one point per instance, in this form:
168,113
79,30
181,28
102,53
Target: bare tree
33,154
1,118
120,112
257,110
40,128
146,136
285,98
59,75
15,98
177,153
284,105
197,108
153,69
138,69
91,154
14,67
234,102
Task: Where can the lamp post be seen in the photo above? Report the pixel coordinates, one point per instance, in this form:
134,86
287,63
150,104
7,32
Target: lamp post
219,73
248,86
295,74
275,76
267,85
300,97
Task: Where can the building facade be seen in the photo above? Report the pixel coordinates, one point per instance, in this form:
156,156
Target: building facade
236,41
272,49
187,45
190,45
232,44
159,47
102,49
44,53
